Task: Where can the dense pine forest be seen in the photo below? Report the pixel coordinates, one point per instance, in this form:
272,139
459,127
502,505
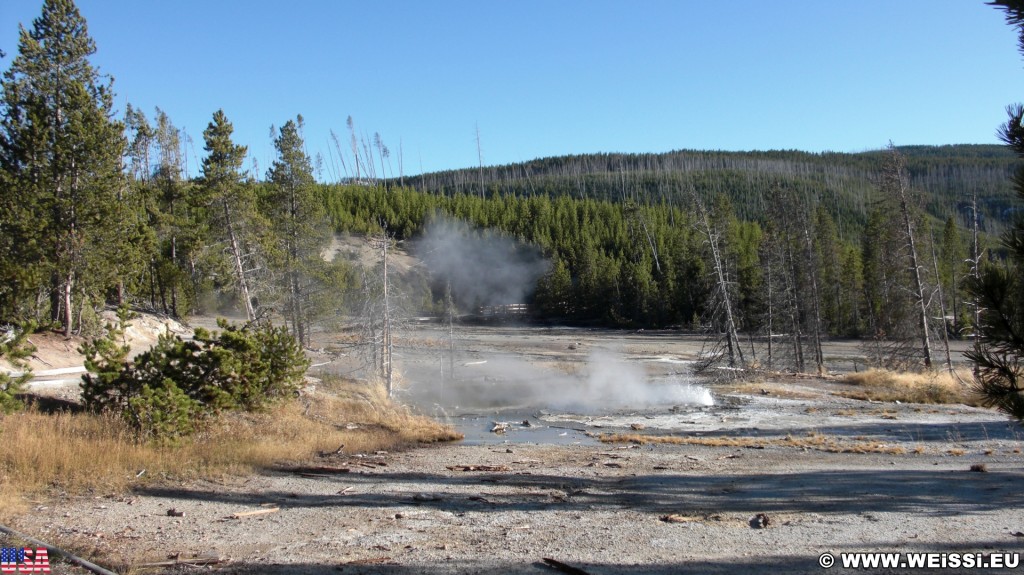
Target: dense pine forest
97,211
948,177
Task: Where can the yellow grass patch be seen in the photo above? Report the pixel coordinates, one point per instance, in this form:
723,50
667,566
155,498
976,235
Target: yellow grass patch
42,453
909,387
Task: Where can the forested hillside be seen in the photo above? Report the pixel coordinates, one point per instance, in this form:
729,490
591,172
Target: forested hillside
947,176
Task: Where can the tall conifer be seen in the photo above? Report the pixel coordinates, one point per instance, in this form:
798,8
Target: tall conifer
60,152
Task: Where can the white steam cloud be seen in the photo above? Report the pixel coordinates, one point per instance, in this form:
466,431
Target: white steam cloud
484,268
613,383
607,383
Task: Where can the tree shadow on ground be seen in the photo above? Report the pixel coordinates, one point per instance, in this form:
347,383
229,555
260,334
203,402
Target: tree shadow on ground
922,432
777,565
939,492
528,566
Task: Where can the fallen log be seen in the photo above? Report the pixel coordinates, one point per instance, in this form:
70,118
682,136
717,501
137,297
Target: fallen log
316,469
242,514
74,559
478,468
194,562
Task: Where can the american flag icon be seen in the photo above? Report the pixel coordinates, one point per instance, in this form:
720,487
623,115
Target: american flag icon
25,560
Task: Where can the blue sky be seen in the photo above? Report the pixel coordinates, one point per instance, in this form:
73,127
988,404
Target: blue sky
552,77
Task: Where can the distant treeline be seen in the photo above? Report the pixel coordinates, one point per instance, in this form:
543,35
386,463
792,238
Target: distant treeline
948,177
643,260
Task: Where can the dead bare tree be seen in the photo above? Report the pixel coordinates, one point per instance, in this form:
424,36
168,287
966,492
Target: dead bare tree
975,273
942,306
380,324
812,276
896,183
713,238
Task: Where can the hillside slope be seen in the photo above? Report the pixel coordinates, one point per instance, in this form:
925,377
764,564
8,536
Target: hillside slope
946,176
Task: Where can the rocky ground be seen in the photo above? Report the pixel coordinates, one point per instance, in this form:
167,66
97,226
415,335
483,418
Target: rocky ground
783,477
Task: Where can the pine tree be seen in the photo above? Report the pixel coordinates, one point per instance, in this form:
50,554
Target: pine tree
999,291
952,270
228,199
60,151
298,217
177,222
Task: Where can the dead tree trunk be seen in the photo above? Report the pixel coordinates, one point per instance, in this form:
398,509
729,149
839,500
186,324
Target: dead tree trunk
812,273
942,306
732,339
975,275
895,179
236,255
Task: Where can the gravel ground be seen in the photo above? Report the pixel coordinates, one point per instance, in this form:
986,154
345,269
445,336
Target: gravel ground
598,508
505,504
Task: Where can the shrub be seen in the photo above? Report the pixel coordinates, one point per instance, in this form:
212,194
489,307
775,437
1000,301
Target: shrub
14,347
166,391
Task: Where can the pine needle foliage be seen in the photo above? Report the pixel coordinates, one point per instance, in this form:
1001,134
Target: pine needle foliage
999,291
14,347
168,391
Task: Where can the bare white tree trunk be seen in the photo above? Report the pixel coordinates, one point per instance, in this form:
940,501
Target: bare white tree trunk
900,187
732,338
942,306
236,254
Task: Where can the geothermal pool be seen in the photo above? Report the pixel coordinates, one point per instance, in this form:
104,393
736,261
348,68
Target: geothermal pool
557,404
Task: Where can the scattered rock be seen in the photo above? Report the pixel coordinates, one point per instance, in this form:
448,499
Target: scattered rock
760,521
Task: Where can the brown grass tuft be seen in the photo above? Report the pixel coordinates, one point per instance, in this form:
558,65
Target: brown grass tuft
908,387
80,453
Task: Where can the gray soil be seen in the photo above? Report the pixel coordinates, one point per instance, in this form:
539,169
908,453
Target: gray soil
505,503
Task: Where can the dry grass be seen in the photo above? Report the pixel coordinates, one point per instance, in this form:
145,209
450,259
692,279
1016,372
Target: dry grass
909,387
773,389
44,454
815,441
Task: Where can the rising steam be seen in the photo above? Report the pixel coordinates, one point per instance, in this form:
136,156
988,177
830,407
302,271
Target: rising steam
606,383
484,268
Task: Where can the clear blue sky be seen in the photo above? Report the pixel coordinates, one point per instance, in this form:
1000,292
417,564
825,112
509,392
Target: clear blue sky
552,77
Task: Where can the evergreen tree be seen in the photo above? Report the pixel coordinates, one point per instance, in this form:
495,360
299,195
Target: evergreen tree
228,200
179,226
60,152
952,270
554,290
1000,290
298,220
